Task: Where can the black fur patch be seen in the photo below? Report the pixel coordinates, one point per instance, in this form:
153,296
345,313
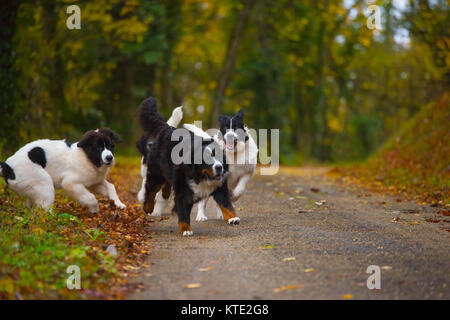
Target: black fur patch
7,172
235,123
94,142
37,155
68,143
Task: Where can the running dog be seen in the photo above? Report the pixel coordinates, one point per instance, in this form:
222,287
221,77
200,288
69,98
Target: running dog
191,181
143,145
241,155
39,167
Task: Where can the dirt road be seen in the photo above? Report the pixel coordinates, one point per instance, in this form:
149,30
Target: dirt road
289,247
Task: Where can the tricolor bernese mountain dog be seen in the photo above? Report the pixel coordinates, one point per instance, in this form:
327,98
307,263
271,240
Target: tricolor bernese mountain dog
143,145
191,180
80,168
240,153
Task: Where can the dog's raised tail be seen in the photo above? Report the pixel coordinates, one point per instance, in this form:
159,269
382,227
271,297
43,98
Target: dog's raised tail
175,118
6,171
149,118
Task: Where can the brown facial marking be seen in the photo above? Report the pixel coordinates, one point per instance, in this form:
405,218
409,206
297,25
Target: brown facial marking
182,227
166,190
227,214
150,203
208,171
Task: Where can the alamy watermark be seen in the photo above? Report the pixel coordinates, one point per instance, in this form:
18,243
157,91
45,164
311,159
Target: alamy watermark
374,17
238,146
74,20
374,280
74,280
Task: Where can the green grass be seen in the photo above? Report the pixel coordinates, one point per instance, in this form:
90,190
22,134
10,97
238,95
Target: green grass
416,161
37,246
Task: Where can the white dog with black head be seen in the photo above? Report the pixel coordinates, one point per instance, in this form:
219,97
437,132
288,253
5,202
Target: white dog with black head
39,167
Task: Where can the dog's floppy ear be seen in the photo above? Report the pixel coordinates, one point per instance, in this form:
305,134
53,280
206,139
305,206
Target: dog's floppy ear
86,139
240,114
222,118
111,134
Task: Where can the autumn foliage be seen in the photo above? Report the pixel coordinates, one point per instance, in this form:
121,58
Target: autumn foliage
416,161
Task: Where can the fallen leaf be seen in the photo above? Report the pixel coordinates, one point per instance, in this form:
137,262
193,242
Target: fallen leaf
386,268
267,246
193,285
347,296
204,269
395,219
315,189
321,203
289,259
309,270
413,223
289,287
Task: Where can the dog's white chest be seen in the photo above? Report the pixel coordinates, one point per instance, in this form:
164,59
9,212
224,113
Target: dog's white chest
204,188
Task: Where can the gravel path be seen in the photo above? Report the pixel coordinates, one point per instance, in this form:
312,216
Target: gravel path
289,247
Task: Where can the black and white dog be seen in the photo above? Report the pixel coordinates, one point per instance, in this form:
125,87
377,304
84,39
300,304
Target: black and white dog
143,145
241,155
39,167
190,181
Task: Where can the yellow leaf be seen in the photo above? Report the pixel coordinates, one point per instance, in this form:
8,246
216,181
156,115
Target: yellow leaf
289,287
205,269
38,231
309,270
267,246
289,259
347,296
193,285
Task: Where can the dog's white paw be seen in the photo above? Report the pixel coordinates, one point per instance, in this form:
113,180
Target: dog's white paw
234,220
155,214
120,205
187,233
201,217
93,209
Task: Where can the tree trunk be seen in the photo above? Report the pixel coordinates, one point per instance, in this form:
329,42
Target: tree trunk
230,59
56,72
172,22
8,13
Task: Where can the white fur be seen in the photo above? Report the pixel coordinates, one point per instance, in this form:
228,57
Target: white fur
66,168
241,169
161,203
203,189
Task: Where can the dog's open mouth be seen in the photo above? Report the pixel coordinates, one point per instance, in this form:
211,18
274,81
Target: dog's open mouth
230,145
218,176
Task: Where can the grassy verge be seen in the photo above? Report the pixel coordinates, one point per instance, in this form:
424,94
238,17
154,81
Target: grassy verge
415,163
37,246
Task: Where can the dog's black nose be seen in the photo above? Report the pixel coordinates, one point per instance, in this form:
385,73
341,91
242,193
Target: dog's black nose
109,158
218,168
